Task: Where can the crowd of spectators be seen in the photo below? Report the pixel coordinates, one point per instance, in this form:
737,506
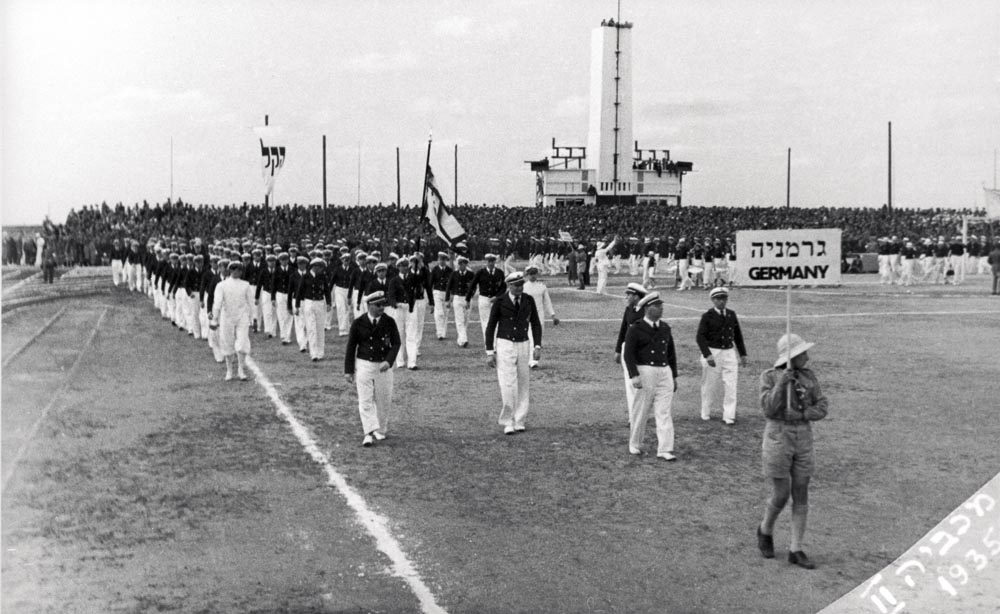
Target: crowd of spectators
85,238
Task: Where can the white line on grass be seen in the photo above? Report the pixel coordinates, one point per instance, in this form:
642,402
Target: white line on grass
376,525
45,327
811,315
45,411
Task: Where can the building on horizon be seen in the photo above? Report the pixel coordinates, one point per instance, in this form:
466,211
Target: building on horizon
611,168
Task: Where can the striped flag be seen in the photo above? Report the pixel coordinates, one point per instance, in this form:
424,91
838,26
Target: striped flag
434,209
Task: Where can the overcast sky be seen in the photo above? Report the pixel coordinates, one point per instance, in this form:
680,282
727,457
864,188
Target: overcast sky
94,91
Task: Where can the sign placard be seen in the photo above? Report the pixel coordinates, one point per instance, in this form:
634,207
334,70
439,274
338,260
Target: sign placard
802,257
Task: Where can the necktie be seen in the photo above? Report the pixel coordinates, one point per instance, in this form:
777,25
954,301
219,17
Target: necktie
517,304
375,322
656,326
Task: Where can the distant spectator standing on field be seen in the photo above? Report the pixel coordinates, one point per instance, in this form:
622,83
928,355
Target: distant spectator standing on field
994,260
788,442
49,266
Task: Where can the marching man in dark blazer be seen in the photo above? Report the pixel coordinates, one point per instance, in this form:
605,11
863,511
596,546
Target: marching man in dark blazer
652,364
512,315
279,294
633,294
311,304
372,345
458,286
489,282
720,339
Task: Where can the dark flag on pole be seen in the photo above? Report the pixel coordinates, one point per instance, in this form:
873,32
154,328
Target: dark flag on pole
434,209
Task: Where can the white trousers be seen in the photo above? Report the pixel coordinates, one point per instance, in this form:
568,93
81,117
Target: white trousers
633,265
314,314
906,274
234,334
299,323
602,277
203,322
283,315
192,313
132,273
514,376
117,270
374,395
709,274
958,265
629,391
656,396
400,316
415,330
461,318
440,314
484,305
270,310
720,379
329,317
895,263
343,310
682,269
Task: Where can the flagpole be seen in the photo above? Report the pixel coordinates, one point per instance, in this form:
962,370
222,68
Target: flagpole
359,173
324,186
172,170
399,202
456,175
267,221
427,165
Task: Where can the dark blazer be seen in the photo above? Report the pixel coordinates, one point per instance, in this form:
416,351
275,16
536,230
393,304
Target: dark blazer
264,282
630,317
721,332
378,343
489,284
420,285
397,293
506,323
364,278
375,285
313,288
645,346
459,283
279,280
439,277
294,281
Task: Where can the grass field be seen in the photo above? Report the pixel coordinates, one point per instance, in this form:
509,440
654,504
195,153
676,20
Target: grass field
149,484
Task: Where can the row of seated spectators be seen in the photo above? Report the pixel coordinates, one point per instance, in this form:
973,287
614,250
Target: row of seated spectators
87,234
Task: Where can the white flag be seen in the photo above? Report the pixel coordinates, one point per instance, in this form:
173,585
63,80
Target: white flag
272,156
437,213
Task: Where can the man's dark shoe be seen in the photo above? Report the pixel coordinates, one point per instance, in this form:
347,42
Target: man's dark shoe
799,558
766,544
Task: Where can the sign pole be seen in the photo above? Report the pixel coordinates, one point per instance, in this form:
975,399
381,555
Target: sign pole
267,221
788,342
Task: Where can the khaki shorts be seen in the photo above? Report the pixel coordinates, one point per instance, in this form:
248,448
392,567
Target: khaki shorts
787,450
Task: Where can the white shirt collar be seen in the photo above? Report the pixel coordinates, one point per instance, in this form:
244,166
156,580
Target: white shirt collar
651,323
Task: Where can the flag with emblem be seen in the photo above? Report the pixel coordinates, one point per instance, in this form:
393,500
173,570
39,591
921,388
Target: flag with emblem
437,213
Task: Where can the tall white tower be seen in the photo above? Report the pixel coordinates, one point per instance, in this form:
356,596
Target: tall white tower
609,142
